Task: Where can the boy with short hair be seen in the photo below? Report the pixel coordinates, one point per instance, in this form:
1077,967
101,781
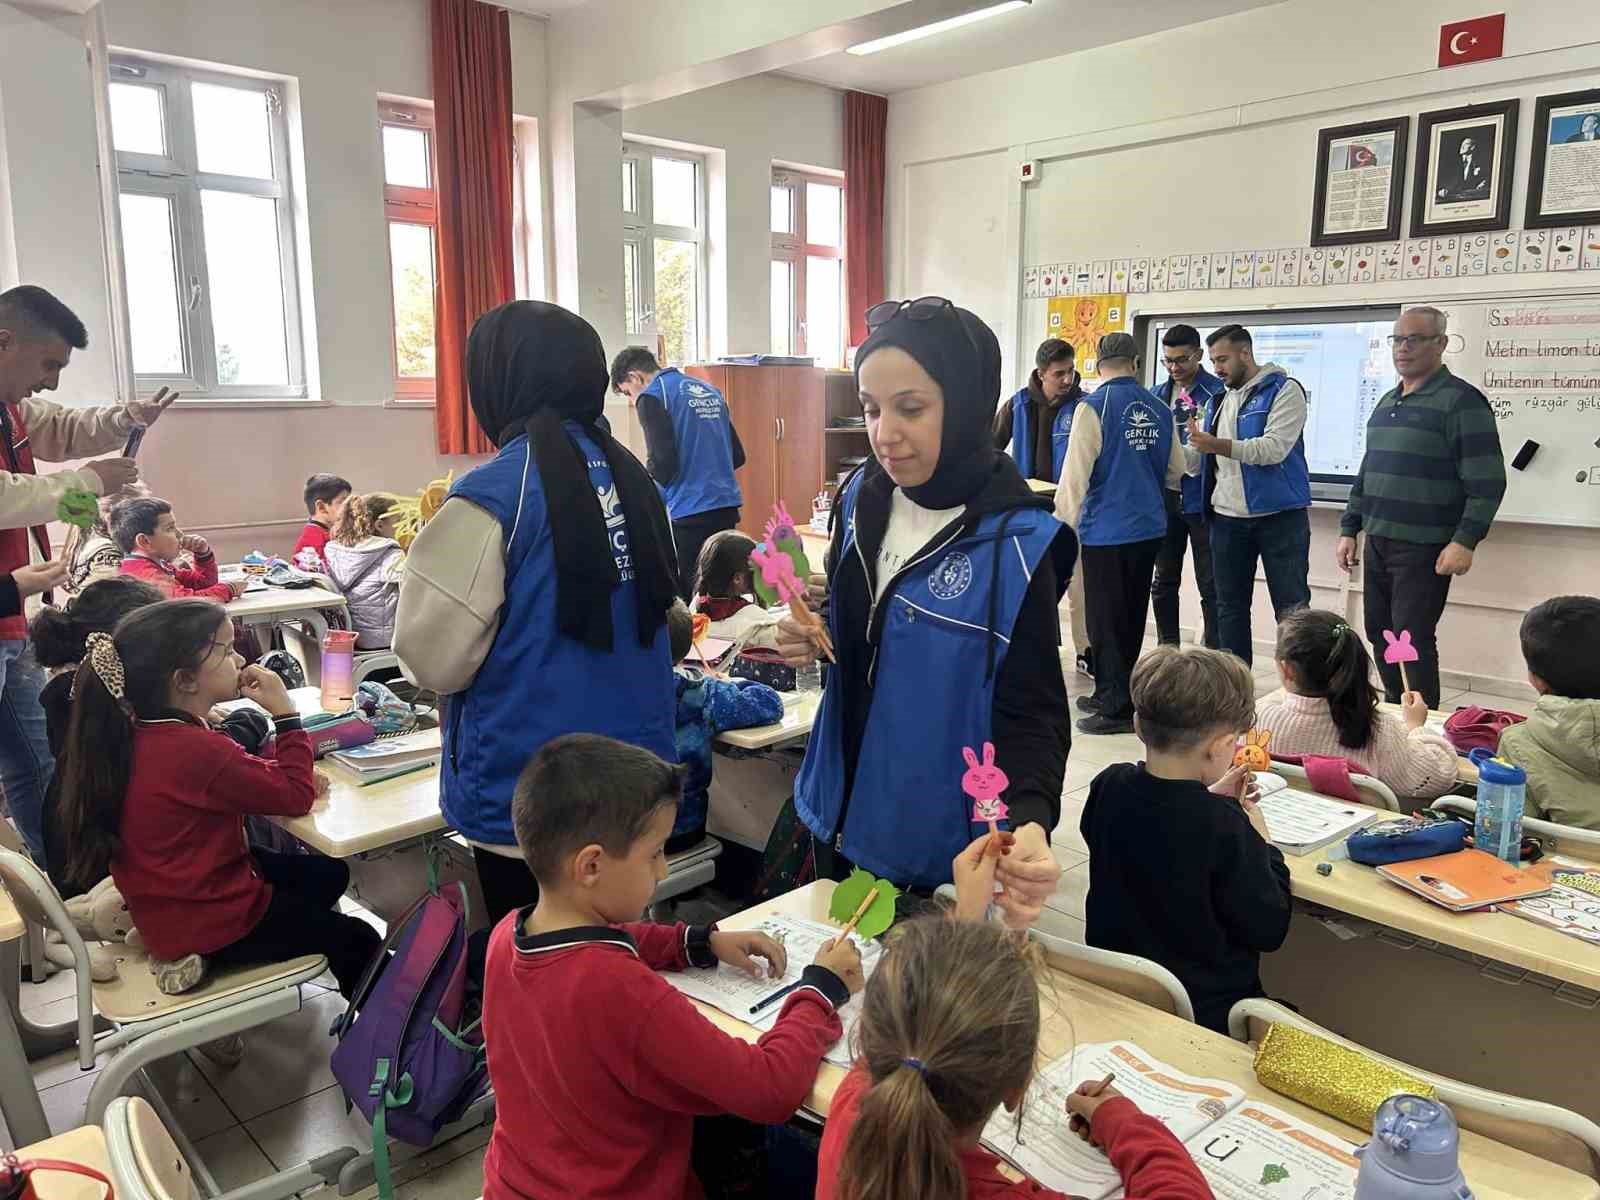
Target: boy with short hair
325,497
147,533
599,1065
1559,744
1180,868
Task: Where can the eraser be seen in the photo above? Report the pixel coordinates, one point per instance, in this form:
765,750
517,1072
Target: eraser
1525,455
1324,868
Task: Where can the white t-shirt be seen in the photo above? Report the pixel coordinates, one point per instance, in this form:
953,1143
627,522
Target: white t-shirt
911,527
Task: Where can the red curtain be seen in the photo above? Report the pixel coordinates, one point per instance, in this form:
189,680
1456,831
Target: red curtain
472,154
866,118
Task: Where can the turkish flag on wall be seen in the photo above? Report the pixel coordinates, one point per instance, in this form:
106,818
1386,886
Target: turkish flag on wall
1471,41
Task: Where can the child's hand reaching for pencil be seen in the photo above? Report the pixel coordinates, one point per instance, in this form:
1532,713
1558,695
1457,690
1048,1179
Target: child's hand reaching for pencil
1084,1103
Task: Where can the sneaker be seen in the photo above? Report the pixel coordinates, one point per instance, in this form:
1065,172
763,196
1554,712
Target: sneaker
225,1052
178,976
1086,664
1105,725
1088,704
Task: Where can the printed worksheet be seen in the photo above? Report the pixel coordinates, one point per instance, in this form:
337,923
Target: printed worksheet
1301,822
1258,1152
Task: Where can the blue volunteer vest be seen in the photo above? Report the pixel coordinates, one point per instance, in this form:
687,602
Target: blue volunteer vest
701,425
1125,501
1022,434
1271,489
537,684
1205,388
932,695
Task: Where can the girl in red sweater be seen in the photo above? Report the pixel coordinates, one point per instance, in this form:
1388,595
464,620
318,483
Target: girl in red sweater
948,1033
151,793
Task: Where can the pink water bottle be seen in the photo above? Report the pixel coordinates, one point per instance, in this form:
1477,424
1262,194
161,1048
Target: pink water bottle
338,669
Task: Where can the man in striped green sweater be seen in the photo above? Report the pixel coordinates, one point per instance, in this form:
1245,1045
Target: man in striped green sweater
1428,490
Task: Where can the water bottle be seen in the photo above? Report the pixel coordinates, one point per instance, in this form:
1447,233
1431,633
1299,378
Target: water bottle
1502,786
808,680
338,670
1413,1154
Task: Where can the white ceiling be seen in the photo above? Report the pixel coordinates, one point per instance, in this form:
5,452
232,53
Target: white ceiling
1045,29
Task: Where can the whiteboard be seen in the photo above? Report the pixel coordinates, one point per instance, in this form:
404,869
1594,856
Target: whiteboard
1537,359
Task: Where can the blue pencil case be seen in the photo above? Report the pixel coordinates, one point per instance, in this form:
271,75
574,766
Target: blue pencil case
1404,839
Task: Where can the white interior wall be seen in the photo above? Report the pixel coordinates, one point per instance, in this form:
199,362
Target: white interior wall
1202,139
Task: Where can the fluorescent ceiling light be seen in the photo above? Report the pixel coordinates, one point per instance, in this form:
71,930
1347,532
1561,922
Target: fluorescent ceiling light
949,23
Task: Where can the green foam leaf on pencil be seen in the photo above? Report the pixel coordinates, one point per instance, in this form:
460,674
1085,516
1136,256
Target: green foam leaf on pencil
847,897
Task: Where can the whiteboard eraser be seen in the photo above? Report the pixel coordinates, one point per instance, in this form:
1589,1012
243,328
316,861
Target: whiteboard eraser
1525,455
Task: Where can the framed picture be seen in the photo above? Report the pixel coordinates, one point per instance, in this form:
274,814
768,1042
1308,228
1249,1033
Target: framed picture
1564,175
1360,182
1464,162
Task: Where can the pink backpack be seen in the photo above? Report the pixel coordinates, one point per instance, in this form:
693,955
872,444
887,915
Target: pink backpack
1472,728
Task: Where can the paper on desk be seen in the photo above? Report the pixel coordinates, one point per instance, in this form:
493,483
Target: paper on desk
1258,1152
1050,1152
1572,906
733,992
1300,822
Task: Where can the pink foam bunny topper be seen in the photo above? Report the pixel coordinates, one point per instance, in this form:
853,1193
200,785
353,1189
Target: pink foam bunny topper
1399,649
777,572
780,526
984,782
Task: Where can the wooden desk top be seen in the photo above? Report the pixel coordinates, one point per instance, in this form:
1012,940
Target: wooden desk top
11,926
1360,891
1078,1013
797,721
85,1145
275,601
351,819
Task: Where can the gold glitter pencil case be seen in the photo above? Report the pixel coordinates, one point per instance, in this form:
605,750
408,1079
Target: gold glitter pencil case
1328,1077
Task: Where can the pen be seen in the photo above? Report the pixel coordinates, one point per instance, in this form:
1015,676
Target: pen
776,996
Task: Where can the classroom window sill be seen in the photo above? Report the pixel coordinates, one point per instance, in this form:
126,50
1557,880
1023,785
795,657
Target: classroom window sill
250,403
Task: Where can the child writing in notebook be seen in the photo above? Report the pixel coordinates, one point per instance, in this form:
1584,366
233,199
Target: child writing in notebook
722,590
1331,708
159,799
600,1066
949,1032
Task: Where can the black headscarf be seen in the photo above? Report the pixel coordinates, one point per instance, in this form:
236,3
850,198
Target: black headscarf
531,366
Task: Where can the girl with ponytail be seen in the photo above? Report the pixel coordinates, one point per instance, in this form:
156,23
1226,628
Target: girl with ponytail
1330,708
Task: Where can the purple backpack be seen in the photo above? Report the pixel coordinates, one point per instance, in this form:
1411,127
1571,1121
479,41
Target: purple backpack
410,1053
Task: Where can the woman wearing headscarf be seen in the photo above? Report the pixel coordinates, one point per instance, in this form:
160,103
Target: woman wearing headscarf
944,574
535,600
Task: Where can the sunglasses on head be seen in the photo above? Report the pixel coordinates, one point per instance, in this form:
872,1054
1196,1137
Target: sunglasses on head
924,308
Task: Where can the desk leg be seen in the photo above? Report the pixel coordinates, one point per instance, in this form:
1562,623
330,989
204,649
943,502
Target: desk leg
37,1041
19,1100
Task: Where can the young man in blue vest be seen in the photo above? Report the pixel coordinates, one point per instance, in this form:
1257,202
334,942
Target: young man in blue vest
691,450
1250,453
1187,389
1036,425
1123,456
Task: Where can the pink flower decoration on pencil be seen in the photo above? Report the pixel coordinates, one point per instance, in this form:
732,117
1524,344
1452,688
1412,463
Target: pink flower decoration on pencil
780,525
777,572
1399,649
984,782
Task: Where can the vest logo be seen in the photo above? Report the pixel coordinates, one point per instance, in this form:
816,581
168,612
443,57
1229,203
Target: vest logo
616,530
1141,429
951,577
702,400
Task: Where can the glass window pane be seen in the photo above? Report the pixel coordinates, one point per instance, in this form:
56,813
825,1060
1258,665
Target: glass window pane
136,124
411,265
246,275
782,306
782,210
677,299
151,261
232,131
824,312
630,186
405,157
824,214
673,189
630,286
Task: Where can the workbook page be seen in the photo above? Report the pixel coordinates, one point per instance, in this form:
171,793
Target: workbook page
1258,1152
1050,1152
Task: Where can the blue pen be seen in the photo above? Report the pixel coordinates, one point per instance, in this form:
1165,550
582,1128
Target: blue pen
777,995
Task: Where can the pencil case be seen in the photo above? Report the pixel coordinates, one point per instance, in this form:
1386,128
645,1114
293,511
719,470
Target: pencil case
341,732
1328,1077
1405,839
763,666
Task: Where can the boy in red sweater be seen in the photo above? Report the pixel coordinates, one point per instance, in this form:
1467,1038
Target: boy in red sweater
599,1065
147,533
325,496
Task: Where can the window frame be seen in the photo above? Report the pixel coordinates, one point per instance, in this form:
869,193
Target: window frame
410,206
640,232
794,248
176,176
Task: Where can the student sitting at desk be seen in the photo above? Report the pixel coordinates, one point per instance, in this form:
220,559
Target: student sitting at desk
1331,709
599,1065
325,496
152,545
722,589
1180,868
1559,744
364,562
707,707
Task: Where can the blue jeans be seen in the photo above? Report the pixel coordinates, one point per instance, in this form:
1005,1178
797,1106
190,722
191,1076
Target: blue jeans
1282,541
26,764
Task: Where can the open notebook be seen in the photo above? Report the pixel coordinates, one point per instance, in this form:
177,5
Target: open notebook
1245,1149
1304,822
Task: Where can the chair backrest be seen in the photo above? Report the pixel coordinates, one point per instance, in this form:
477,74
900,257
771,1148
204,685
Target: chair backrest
1126,974
1370,790
38,902
1545,1131
146,1164
1565,839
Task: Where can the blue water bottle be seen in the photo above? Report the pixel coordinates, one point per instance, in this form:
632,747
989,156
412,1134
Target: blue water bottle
1502,786
1412,1154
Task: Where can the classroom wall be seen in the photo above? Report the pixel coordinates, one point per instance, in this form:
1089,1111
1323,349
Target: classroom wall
1202,139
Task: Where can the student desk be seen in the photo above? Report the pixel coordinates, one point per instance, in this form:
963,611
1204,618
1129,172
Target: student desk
272,605
86,1146
794,725
754,775
1074,1008
1484,996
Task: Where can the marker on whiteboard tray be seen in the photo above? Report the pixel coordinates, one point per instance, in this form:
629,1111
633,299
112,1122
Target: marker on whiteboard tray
1525,455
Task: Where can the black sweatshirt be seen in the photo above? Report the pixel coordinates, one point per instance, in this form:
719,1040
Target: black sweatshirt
1178,875
661,444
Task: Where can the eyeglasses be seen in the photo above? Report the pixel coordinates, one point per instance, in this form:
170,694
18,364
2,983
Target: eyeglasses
1412,340
1179,360
924,308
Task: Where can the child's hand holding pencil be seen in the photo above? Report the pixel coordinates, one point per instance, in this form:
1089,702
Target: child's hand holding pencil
1085,1102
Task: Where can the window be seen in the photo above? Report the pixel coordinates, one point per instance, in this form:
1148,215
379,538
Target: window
808,315
207,231
410,206
663,249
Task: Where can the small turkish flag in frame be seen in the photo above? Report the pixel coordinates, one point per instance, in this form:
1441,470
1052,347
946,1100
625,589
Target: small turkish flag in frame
1472,41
